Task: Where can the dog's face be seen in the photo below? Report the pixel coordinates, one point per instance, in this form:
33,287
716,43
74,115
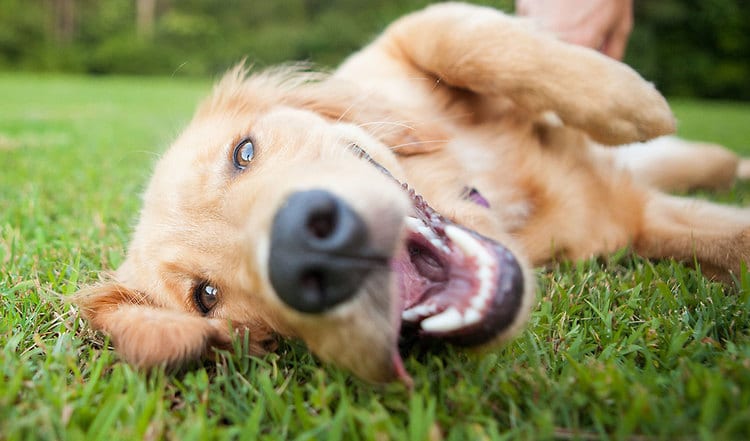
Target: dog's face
278,219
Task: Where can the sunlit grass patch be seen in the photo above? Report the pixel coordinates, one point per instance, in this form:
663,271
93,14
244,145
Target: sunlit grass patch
618,347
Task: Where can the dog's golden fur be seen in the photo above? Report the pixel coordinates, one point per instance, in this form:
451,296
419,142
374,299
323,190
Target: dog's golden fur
450,97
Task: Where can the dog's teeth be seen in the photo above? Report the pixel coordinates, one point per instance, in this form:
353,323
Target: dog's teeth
437,243
463,240
426,232
485,273
471,316
469,245
479,301
419,227
410,315
413,224
446,321
417,312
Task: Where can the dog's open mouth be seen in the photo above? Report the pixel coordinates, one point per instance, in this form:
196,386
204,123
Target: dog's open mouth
455,284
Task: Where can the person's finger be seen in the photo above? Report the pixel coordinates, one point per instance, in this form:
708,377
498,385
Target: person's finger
587,39
617,41
522,7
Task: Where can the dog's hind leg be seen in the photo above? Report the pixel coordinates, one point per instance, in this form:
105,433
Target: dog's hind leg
743,169
716,237
491,54
674,164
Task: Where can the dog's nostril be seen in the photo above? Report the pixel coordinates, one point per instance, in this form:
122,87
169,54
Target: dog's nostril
322,224
312,287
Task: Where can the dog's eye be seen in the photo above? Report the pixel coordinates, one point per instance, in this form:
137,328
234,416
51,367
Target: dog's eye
206,296
243,153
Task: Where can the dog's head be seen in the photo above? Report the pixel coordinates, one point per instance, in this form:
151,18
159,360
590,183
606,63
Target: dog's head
278,212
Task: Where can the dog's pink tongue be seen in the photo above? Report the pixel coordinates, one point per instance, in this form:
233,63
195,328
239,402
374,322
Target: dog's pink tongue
400,371
397,305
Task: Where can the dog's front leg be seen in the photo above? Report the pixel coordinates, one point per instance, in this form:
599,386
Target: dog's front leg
489,53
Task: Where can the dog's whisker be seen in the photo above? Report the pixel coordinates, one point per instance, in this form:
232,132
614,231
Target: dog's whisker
382,129
346,112
384,123
354,103
408,144
406,124
454,117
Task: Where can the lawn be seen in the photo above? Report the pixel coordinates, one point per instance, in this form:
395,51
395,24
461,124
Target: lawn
617,348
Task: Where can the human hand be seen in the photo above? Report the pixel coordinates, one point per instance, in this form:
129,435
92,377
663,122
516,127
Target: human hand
603,25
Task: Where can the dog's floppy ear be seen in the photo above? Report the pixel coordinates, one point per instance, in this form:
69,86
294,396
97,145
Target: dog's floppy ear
147,335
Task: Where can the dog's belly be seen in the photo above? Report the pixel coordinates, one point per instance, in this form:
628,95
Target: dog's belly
580,209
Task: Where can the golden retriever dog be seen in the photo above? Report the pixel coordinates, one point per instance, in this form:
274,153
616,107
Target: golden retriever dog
407,194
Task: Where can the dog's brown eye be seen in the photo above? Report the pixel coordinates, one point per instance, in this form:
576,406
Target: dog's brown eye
206,296
243,153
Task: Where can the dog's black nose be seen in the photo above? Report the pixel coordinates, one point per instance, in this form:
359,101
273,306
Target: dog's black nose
319,251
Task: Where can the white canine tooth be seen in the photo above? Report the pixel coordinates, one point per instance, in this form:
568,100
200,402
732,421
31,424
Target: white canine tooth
438,244
417,312
467,243
428,233
414,224
418,226
485,274
479,301
446,321
471,316
409,315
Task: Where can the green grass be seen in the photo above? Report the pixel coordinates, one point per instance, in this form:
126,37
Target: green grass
617,348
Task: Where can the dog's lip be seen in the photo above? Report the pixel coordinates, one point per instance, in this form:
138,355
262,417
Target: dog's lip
466,291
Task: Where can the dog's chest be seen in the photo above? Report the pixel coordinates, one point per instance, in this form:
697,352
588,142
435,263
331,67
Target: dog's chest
491,171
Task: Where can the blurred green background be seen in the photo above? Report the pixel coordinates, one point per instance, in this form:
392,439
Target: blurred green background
696,48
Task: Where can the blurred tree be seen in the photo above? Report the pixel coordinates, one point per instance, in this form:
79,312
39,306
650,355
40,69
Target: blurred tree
693,47
688,47
145,17
65,20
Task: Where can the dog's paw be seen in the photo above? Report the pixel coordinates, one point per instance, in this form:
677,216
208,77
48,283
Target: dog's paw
743,250
616,106
636,117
